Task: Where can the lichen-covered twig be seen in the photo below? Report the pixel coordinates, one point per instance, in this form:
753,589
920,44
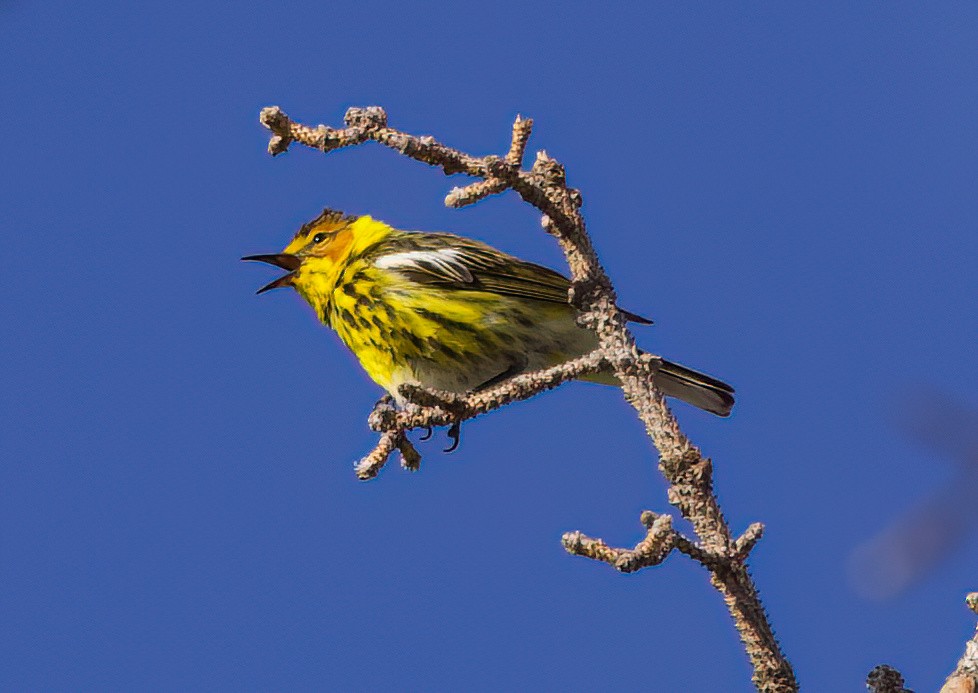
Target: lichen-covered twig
659,540
690,475
652,550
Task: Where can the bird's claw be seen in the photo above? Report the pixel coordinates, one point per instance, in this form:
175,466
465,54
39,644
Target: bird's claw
427,433
455,434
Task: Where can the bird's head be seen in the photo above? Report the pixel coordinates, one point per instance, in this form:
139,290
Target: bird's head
315,256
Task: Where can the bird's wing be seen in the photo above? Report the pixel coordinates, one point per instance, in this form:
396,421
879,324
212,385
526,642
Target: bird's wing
460,263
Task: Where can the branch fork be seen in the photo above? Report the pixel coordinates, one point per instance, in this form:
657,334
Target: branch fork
659,541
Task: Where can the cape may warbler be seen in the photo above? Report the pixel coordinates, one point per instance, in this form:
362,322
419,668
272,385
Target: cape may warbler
446,312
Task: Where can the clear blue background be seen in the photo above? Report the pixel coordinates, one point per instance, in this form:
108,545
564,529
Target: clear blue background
788,189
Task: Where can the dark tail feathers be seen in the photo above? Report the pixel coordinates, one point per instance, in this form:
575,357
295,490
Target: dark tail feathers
695,388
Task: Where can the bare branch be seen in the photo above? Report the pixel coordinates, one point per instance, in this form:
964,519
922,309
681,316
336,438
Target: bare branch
427,408
514,389
652,550
690,474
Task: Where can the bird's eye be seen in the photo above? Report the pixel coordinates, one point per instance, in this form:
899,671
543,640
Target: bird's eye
319,238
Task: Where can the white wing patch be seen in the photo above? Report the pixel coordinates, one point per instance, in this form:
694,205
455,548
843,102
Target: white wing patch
445,263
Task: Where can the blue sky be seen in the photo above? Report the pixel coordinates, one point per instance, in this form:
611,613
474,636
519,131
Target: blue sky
787,189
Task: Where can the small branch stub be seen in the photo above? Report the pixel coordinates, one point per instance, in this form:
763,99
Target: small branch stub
522,127
747,541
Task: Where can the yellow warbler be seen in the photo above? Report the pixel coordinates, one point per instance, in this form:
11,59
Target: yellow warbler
446,312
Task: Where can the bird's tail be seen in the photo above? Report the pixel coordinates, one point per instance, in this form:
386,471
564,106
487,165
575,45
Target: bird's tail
692,387
695,388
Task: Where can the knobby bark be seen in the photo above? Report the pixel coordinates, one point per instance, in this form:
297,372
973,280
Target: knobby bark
689,473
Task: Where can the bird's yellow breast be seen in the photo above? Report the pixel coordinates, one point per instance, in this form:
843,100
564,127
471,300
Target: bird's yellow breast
393,326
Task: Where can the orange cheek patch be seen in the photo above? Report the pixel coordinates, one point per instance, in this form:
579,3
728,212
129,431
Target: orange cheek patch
339,246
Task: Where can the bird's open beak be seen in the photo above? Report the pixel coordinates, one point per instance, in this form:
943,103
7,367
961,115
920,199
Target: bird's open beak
285,261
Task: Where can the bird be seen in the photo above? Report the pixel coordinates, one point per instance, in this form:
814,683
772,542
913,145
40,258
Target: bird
446,312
